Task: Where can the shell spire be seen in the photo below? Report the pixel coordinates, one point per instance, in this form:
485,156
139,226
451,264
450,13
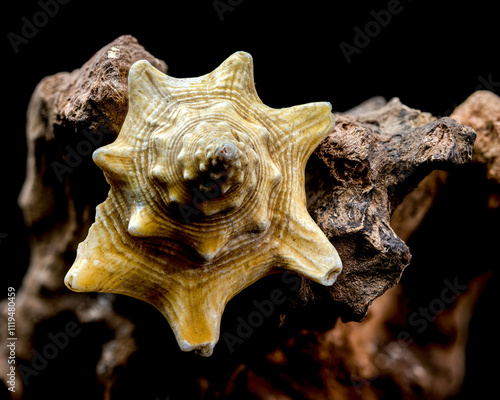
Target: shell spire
207,196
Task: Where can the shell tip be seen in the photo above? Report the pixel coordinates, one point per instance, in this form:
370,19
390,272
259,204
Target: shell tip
203,349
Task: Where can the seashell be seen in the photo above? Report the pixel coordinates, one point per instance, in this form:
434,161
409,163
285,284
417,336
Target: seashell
207,196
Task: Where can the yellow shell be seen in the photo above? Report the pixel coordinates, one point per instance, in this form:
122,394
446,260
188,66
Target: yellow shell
207,196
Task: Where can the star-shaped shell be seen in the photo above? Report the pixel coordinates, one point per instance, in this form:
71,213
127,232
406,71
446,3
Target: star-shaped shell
207,196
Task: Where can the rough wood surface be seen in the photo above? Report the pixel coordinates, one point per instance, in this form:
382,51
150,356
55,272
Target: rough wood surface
482,112
360,173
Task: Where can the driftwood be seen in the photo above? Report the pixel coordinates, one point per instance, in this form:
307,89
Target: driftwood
364,169
118,347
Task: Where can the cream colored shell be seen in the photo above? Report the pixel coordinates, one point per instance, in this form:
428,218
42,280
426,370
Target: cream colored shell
207,196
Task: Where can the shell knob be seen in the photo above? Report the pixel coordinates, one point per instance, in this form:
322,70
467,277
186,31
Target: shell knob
216,161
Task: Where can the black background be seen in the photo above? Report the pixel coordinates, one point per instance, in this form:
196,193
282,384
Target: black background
431,55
